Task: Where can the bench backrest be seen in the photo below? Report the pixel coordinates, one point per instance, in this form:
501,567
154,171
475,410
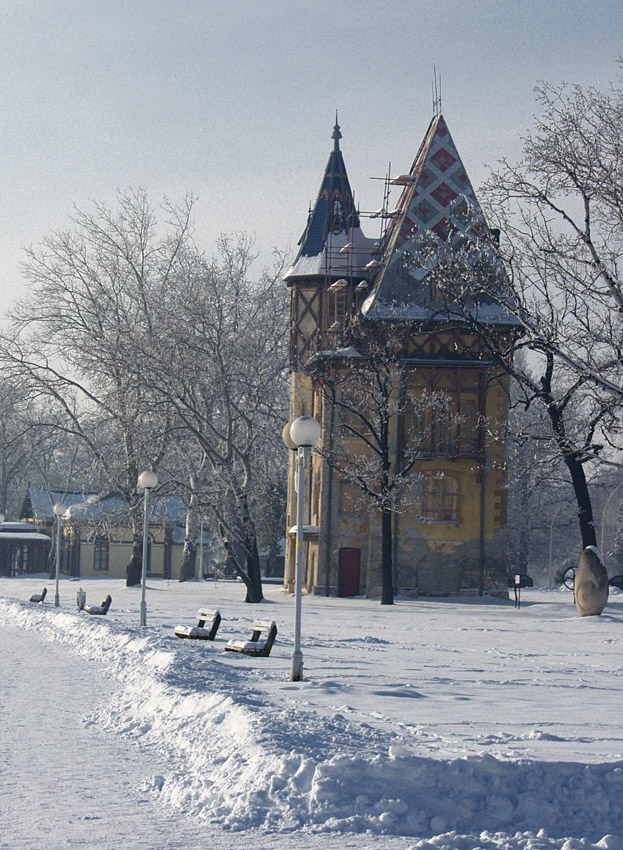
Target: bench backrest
263,625
205,615
269,629
106,603
43,593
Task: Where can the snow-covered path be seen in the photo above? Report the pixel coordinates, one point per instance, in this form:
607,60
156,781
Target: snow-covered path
451,725
64,783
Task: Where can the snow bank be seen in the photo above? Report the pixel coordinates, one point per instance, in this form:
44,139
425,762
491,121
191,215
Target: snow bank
243,762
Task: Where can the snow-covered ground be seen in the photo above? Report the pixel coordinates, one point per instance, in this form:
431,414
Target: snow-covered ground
431,724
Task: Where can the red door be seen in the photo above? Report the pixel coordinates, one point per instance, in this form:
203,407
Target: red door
348,573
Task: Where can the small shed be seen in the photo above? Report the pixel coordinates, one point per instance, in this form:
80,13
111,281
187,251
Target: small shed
96,536
24,548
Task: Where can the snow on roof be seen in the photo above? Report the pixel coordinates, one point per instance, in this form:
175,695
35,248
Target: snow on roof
42,500
25,536
342,353
307,529
19,527
330,259
441,230
495,314
94,506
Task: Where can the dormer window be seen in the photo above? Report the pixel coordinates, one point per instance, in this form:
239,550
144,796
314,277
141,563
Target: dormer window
338,304
337,223
337,309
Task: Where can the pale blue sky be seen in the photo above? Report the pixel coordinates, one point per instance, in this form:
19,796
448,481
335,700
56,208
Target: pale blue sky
236,101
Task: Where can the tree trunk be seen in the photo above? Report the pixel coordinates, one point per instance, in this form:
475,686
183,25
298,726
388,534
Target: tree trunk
189,560
583,499
52,555
189,554
387,573
617,545
254,585
524,530
254,588
134,570
572,459
233,560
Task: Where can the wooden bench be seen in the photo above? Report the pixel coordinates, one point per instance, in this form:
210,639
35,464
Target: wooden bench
616,581
263,634
200,632
99,609
39,597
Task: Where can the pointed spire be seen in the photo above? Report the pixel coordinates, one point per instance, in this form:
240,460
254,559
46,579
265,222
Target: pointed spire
336,135
334,221
334,211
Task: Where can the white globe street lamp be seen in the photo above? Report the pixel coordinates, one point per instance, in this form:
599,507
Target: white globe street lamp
59,512
305,432
146,481
301,436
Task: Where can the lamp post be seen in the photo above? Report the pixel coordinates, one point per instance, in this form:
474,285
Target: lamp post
302,435
603,518
551,540
59,511
146,481
201,549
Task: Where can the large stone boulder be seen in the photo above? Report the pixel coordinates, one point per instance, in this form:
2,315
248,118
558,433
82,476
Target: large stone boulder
591,583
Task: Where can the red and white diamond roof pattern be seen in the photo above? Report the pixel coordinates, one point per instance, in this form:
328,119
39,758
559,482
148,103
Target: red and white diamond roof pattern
439,224
429,202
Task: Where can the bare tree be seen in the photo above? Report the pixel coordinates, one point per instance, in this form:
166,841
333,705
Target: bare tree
540,495
561,209
23,445
220,361
70,342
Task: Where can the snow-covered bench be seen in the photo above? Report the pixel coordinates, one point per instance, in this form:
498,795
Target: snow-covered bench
616,581
263,634
201,631
99,609
39,597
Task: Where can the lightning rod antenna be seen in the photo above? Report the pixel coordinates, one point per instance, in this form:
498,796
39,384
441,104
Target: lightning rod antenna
436,93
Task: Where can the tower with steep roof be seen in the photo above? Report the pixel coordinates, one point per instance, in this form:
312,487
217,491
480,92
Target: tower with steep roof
331,261
436,260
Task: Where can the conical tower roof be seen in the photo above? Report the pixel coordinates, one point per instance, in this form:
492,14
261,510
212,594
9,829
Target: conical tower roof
332,224
439,223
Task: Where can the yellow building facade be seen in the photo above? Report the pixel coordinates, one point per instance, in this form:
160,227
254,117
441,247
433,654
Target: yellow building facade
410,295
96,537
